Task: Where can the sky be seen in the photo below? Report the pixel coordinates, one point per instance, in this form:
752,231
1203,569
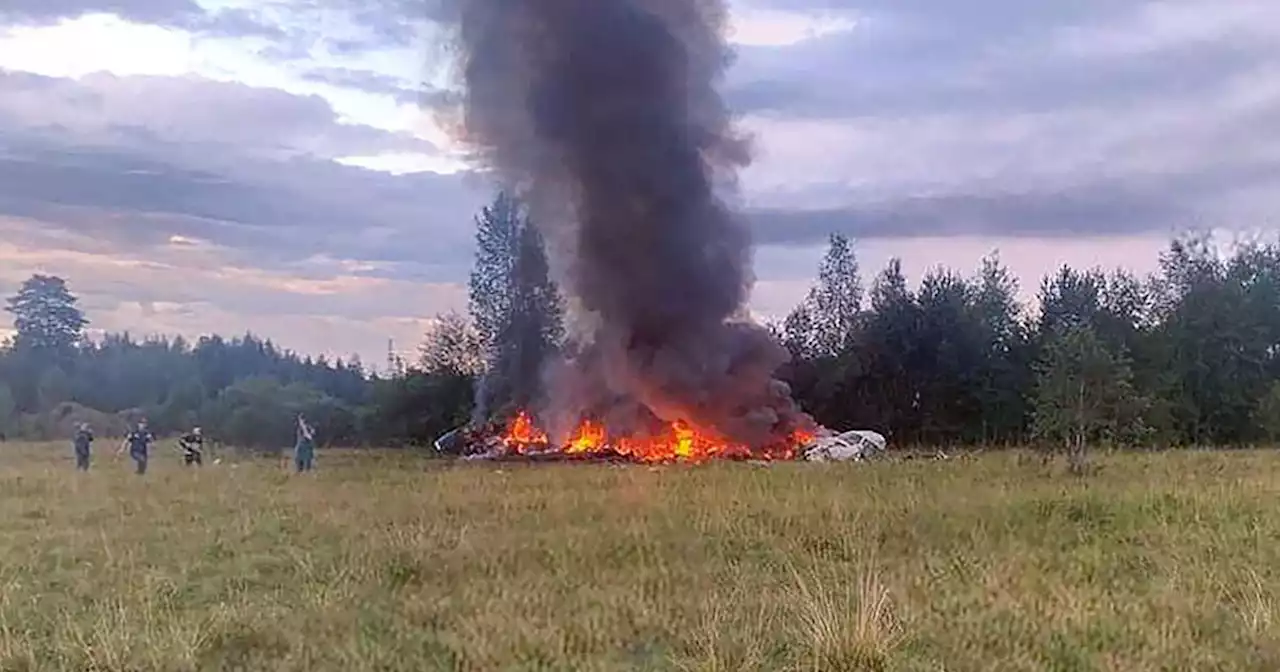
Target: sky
274,166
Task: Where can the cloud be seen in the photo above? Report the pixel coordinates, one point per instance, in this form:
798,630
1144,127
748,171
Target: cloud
892,118
778,28
164,12
1086,212
138,159
1162,205
183,14
1011,118
910,57
364,80
196,113
191,287
235,22
371,81
186,205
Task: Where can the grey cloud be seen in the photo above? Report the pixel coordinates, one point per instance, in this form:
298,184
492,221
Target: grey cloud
915,56
843,85
257,297
931,20
1020,118
288,50
979,92
191,114
969,66
307,207
364,80
1087,211
1159,205
172,291
140,175
143,11
236,22
184,14
352,27
377,83
392,22
396,22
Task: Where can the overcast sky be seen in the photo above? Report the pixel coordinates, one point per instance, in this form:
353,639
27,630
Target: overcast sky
267,165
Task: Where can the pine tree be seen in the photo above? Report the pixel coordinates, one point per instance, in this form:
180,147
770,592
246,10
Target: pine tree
492,277
1004,375
1216,342
951,349
889,346
531,333
521,323
1084,394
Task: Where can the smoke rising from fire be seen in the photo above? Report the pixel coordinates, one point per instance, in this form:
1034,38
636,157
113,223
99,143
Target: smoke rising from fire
603,115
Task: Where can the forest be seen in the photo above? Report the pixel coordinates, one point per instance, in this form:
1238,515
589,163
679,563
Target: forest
1187,357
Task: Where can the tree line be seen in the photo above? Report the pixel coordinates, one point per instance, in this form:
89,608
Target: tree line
1188,356
52,378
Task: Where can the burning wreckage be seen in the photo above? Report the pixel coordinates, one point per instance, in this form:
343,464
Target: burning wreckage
603,118
681,442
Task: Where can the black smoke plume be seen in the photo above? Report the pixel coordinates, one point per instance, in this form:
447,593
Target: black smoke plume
603,115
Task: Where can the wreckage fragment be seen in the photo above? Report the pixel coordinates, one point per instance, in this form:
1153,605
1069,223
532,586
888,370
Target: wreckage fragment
855,445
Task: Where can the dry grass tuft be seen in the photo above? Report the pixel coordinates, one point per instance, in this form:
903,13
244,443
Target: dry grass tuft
846,626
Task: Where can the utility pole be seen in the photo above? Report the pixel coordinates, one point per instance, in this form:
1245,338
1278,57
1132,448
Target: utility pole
395,363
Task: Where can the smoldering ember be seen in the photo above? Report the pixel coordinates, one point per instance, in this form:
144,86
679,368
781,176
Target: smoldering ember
603,117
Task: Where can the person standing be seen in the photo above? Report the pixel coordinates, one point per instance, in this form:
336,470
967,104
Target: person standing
192,444
82,443
304,449
139,444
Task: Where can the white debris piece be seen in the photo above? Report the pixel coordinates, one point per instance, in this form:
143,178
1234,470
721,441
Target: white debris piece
450,441
855,445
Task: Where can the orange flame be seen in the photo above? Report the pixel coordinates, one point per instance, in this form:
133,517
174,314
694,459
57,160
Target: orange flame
680,441
590,438
523,435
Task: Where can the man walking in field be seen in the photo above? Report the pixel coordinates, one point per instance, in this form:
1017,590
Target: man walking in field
139,444
304,449
82,442
192,445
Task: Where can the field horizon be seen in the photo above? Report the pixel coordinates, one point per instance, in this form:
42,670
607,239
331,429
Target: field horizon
387,560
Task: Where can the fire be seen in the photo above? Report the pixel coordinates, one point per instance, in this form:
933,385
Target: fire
523,435
589,438
680,441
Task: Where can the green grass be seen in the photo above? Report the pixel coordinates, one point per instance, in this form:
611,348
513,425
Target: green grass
383,561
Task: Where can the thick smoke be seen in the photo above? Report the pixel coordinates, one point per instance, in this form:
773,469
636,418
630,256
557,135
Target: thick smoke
603,115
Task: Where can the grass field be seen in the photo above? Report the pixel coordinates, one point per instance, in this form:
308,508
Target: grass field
384,561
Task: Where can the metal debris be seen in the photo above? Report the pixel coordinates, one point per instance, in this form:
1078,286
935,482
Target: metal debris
851,446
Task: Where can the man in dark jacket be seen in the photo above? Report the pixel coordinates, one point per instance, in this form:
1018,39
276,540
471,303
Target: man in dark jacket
139,444
82,442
